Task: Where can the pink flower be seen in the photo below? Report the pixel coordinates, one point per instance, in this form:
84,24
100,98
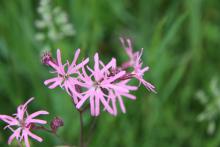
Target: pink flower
20,124
99,84
65,78
136,63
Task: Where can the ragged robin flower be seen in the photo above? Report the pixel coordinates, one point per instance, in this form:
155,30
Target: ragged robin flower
136,63
21,123
65,78
100,84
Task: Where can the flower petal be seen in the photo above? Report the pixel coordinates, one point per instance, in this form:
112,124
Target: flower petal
112,79
38,121
112,64
92,105
26,141
76,55
35,114
85,97
16,134
121,103
59,60
34,136
9,120
100,96
97,105
55,82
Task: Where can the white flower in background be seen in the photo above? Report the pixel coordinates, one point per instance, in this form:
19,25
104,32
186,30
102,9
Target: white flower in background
53,24
211,102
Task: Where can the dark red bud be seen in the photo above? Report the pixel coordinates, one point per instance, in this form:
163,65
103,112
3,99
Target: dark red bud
46,57
56,123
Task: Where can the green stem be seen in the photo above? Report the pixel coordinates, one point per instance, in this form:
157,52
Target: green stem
81,129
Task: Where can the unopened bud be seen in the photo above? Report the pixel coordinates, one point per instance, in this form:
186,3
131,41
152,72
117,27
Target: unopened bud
46,57
56,123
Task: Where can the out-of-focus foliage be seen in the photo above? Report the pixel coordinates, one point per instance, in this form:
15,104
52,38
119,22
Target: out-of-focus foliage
53,24
211,102
181,45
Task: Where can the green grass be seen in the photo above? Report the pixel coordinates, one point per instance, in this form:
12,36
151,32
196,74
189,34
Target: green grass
181,46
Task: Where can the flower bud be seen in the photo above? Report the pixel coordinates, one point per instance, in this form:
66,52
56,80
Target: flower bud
46,57
56,123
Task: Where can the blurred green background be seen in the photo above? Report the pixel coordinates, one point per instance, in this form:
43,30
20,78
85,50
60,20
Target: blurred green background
181,41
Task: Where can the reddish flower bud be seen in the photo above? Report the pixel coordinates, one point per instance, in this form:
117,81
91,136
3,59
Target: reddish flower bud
56,123
46,57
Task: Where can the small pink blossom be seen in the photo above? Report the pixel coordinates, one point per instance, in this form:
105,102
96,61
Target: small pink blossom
65,78
136,63
20,124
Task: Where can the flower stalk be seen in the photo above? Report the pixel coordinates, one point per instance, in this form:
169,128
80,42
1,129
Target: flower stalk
81,143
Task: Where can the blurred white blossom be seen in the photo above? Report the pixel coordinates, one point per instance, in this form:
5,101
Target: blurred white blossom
53,24
211,102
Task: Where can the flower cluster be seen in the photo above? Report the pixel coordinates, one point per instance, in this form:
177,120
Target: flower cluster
21,124
103,84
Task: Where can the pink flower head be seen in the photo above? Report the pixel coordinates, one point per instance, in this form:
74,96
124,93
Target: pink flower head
20,124
136,63
99,84
65,78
